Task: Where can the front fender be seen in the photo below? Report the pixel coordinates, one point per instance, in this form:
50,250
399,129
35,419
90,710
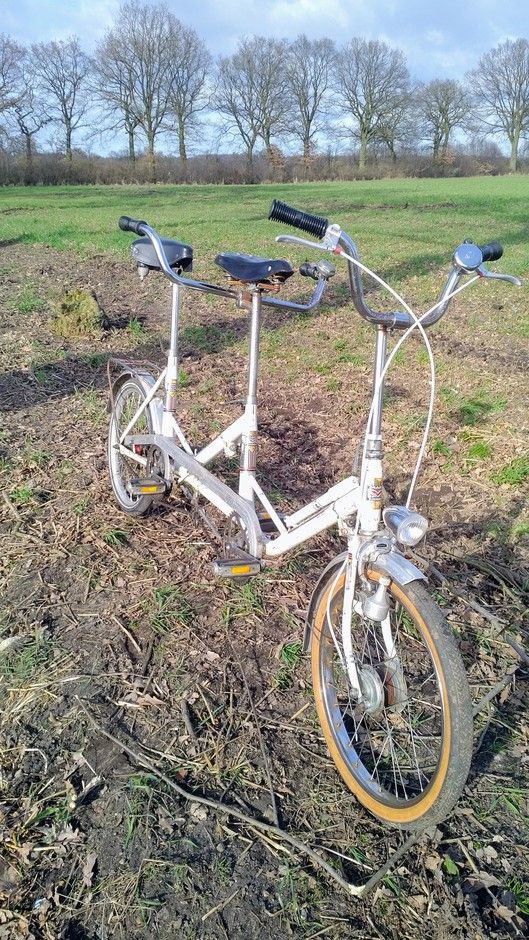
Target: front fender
392,564
330,571
147,381
396,567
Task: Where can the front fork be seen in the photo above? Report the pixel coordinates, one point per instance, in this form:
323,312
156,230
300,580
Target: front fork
374,607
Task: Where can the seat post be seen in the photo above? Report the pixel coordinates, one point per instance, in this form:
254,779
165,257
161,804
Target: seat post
249,436
171,379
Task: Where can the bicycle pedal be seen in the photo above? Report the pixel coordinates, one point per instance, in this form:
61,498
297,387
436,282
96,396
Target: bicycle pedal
148,486
242,566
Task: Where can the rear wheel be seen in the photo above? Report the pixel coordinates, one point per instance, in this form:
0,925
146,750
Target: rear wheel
123,469
405,750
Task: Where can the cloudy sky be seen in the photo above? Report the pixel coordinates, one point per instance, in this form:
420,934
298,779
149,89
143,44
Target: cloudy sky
439,39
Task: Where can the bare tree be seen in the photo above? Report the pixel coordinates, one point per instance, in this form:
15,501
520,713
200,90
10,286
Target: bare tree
29,113
61,70
442,105
501,92
250,92
141,47
113,85
398,129
190,64
308,71
11,55
373,82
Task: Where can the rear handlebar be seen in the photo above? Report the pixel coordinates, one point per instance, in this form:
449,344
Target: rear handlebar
127,224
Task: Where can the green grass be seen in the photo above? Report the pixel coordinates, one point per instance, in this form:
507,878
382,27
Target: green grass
424,220
28,300
440,448
520,892
244,600
95,360
168,607
135,329
515,472
289,657
22,495
207,338
474,410
115,537
479,450
22,664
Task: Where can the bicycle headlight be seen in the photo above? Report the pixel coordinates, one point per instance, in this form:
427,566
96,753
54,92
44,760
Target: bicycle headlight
408,527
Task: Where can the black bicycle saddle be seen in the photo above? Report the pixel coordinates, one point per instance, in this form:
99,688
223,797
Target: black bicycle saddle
252,269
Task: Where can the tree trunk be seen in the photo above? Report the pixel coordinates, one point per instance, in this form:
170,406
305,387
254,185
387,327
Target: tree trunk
513,159
132,149
151,158
362,153
68,143
28,169
249,164
29,151
182,153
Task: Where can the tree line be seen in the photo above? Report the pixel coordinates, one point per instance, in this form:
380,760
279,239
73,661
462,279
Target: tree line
152,81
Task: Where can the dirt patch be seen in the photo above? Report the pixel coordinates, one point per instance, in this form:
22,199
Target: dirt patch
124,619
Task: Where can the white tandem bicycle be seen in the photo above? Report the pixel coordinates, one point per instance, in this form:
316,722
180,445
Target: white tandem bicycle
389,684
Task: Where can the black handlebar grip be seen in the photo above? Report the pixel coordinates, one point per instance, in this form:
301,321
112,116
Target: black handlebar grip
280,212
127,224
491,252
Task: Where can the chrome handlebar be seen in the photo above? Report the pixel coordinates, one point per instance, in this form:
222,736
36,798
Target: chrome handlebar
335,240
206,288
463,263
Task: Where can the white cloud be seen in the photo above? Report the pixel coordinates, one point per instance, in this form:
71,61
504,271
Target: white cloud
435,37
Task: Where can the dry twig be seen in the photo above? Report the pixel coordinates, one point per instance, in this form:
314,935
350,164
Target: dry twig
301,847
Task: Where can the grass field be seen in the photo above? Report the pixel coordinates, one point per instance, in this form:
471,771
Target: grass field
409,223
206,679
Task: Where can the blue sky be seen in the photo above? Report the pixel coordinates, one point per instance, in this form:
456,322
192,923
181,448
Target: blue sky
439,39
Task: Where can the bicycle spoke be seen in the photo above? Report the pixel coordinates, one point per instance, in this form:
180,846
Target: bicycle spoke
398,742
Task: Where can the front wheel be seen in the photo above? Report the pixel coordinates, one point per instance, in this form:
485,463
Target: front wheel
405,749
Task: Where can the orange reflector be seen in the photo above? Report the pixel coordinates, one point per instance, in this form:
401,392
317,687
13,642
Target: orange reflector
241,569
149,489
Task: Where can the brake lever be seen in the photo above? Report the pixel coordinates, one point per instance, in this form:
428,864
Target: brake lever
295,240
329,241
492,275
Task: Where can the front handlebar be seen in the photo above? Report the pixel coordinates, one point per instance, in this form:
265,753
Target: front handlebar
468,258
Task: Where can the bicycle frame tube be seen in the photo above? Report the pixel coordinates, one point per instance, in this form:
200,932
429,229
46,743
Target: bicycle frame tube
378,383
248,461
337,506
370,510
171,380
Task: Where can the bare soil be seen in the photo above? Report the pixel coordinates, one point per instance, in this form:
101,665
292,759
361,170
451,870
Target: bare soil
123,621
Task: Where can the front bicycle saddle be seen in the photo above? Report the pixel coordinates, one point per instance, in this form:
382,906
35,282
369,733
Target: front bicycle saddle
179,255
254,270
